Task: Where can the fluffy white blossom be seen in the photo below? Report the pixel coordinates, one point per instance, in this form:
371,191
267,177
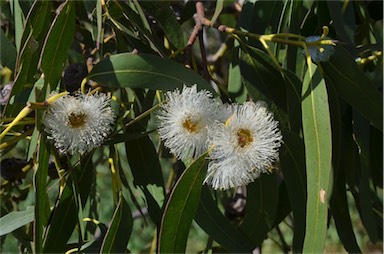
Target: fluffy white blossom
320,53
245,146
184,119
79,123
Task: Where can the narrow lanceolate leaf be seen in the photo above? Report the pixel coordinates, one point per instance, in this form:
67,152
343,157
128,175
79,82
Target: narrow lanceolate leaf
318,151
36,27
354,87
147,173
7,52
236,88
260,211
42,202
217,226
367,214
218,9
119,232
144,71
293,167
65,214
58,42
166,18
181,207
16,219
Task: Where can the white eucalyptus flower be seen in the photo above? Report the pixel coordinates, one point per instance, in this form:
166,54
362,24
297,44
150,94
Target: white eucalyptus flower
184,119
245,146
79,123
320,53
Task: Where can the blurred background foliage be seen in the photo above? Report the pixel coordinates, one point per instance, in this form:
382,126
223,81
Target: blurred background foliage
325,193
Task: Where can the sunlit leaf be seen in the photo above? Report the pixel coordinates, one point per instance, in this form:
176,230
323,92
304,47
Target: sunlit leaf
181,207
16,219
318,151
218,9
144,71
58,42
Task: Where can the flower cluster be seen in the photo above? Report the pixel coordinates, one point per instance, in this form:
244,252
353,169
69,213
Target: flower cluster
320,53
244,138
79,123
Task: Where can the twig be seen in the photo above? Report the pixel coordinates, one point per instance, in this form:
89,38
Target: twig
196,30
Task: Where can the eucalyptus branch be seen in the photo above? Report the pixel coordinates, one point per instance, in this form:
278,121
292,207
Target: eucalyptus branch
284,38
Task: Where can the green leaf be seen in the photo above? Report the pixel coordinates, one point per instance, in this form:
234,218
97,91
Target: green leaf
338,202
343,21
218,9
181,207
19,19
65,214
7,53
58,42
354,87
257,16
144,71
212,221
42,208
260,211
293,86
293,167
119,232
283,207
318,151
36,27
16,219
147,173
262,80
236,88
129,21
162,12
340,213
367,214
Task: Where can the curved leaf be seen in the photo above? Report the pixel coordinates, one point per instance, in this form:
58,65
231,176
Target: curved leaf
218,9
57,43
354,87
16,219
147,173
7,52
42,202
65,214
119,232
163,13
212,221
37,24
144,71
262,79
318,152
181,207
293,167
260,211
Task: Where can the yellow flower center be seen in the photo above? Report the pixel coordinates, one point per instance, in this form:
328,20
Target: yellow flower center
244,137
76,120
190,125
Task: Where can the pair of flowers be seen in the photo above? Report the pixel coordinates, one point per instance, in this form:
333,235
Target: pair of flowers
244,138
